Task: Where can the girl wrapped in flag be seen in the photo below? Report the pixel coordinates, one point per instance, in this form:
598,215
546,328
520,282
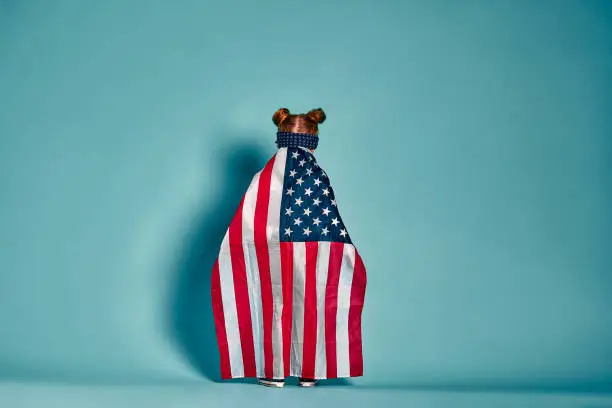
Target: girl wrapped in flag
288,285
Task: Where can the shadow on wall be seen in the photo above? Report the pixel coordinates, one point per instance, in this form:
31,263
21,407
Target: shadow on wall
193,326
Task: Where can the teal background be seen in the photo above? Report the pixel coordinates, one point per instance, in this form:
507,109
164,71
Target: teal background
469,145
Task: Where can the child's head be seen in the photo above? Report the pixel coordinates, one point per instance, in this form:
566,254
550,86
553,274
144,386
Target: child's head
301,123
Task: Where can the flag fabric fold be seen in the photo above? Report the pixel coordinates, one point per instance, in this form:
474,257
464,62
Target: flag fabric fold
288,285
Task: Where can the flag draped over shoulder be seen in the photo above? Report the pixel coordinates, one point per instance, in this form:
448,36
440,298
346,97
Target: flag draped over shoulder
288,285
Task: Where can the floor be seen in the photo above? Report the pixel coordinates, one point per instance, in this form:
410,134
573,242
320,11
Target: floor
34,395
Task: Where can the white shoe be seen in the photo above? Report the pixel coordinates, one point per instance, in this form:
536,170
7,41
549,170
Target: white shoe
268,382
307,383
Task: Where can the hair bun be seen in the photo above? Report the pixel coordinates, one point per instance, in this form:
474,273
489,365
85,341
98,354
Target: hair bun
280,115
317,115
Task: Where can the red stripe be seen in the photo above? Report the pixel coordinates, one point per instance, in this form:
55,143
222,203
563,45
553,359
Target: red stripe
310,311
263,263
217,304
286,249
241,290
331,307
354,320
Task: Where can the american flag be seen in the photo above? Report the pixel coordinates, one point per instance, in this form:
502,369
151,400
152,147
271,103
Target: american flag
288,285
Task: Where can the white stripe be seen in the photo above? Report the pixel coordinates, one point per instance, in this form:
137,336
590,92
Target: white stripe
344,303
277,305
229,309
252,271
272,231
299,287
276,195
322,267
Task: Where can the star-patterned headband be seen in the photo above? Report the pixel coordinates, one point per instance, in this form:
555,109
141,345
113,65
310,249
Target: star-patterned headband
290,139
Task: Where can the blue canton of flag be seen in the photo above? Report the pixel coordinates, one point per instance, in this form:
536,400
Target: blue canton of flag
309,211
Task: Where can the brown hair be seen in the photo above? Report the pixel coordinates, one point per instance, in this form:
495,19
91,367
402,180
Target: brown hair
301,123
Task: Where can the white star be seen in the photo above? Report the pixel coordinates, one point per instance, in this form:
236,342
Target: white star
297,221
316,201
308,191
302,163
307,212
307,231
288,211
317,182
288,231
324,174
316,221
325,192
295,155
324,231
334,202
290,191
335,222
308,172
326,211
299,181
299,201
343,233
309,158
292,173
